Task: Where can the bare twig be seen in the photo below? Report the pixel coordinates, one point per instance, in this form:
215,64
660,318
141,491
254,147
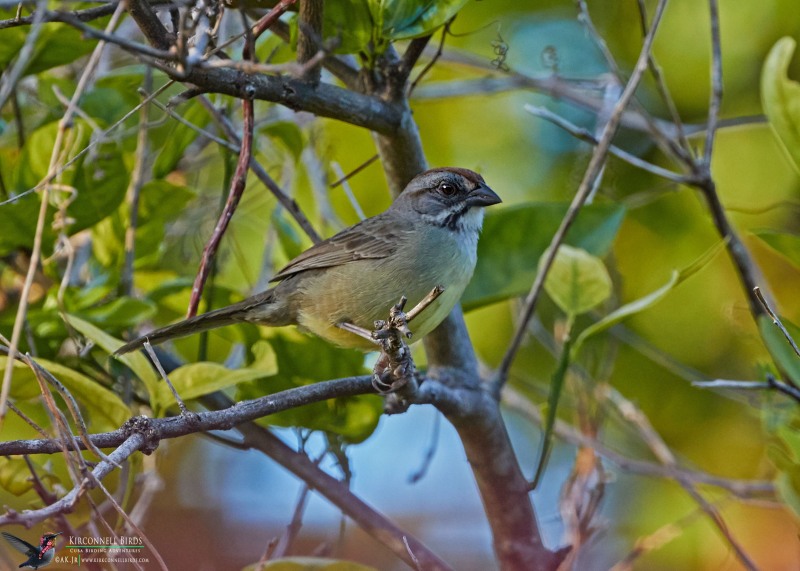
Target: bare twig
355,171
348,191
134,190
370,520
165,377
716,83
663,90
587,136
67,503
771,384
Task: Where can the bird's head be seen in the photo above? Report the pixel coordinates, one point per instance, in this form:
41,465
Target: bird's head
449,197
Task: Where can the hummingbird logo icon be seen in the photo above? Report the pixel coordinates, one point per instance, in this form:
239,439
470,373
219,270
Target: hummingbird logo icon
39,556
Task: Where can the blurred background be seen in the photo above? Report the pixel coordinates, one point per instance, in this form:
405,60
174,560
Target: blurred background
217,508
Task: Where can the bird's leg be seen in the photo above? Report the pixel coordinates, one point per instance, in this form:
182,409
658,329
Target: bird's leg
394,369
395,374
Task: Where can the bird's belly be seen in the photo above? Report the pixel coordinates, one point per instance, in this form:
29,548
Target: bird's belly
364,291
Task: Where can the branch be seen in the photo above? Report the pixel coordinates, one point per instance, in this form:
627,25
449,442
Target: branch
174,427
324,99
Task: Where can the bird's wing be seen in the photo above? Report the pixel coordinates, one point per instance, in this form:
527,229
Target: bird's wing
376,237
19,544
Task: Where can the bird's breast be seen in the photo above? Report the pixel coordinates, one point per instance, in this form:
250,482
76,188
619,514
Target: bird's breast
363,291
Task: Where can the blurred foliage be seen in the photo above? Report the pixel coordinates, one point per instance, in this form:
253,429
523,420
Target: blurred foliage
638,232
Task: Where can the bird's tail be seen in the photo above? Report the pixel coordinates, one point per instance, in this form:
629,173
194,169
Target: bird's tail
229,315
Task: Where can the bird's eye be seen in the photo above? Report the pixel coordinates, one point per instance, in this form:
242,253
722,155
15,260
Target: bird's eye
447,189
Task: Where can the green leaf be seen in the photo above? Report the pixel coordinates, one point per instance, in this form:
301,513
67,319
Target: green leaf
649,300
404,19
199,379
288,133
778,346
508,257
556,385
350,22
626,311
577,281
15,476
784,243
120,313
308,564
136,362
781,98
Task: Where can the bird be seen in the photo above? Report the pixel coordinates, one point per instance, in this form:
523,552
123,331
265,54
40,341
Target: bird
427,238
37,556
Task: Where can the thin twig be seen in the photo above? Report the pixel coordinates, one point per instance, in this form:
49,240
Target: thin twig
663,90
355,171
776,320
716,83
135,188
585,135
348,191
10,77
164,376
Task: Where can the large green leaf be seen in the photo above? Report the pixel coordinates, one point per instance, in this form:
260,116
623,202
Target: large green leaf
198,379
577,281
515,238
781,98
136,362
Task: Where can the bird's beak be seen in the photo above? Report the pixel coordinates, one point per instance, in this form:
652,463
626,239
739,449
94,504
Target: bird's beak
482,196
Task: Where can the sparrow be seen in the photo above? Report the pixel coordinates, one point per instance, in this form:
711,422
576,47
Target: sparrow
37,556
428,237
